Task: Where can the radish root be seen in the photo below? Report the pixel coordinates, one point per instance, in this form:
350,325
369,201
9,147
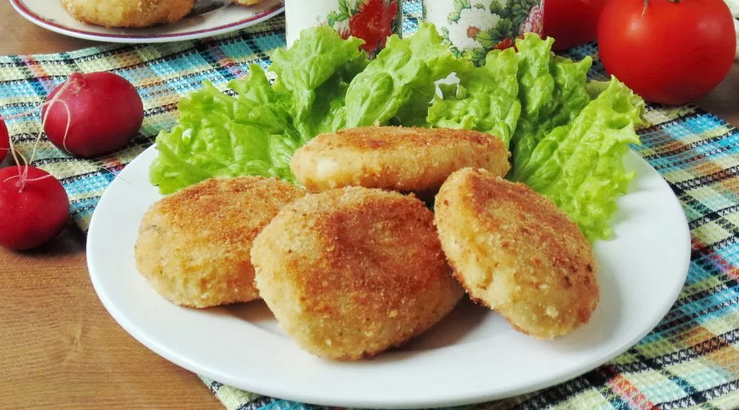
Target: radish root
22,163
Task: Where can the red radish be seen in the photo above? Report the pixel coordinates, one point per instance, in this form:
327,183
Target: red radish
4,141
34,207
94,114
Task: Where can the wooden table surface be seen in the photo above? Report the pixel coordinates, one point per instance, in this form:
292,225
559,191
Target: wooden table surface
59,348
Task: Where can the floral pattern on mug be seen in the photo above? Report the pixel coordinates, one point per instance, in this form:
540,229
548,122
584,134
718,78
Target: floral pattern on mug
475,27
371,20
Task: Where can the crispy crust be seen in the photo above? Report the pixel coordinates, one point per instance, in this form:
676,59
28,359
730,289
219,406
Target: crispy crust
351,272
246,2
514,251
395,158
193,246
128,13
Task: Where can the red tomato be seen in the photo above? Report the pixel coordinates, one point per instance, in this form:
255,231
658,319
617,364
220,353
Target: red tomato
4,141
571,22
669,52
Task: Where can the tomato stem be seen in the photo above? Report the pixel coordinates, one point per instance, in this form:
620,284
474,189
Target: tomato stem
646,4
644,11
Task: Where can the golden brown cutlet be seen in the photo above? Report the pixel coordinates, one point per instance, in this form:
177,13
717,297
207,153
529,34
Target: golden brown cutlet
246,2
395,158
351,272
128,13
514,251
193,246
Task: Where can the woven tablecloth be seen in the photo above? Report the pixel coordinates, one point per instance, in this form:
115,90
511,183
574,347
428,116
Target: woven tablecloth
689,361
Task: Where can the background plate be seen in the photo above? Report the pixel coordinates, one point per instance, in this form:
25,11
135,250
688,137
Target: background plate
51,15
473,355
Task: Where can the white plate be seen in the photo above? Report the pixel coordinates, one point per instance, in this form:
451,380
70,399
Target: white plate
471,356
51,15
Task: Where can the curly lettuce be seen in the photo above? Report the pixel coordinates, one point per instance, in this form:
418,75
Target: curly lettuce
567,136
401,82
579,166
485,99
323,83
218,135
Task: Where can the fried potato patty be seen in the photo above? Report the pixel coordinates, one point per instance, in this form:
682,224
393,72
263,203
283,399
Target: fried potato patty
351,272
128,13
395,158
193,246
514,251
246,2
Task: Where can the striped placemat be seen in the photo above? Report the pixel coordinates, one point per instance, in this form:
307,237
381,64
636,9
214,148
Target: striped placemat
690,361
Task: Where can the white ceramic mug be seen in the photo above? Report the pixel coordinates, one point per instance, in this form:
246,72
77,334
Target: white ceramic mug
474,27
370,20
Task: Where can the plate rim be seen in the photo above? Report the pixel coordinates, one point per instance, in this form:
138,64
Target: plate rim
22,9
449,399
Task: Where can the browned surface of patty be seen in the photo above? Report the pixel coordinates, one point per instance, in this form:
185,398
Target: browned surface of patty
516,252
194,245
128,13
395,158
351,272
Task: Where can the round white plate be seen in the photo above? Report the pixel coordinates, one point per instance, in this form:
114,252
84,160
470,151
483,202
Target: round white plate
473,355
51,15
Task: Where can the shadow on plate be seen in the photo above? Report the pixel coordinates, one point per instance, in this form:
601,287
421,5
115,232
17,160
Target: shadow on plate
206,6
458,326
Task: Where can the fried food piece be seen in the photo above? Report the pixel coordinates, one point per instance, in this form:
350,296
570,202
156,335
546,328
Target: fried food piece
128,13
395,158
514,251
246,2
193,246
351,272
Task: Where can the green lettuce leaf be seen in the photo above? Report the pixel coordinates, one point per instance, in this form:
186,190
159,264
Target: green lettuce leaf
223,136
552,93
567,136
580,165
257,131
399,84
485,99
316,72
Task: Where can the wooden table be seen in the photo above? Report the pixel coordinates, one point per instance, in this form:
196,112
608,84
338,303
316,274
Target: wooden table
59,348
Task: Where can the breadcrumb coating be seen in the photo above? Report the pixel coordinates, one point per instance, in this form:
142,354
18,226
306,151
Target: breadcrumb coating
395,158
193,246
128,13
351,272
514,251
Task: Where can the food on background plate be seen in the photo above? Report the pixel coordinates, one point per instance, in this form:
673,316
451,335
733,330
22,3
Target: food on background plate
92,114
193,246
667,51
395,158
351,272
128,13
246,2
515,252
